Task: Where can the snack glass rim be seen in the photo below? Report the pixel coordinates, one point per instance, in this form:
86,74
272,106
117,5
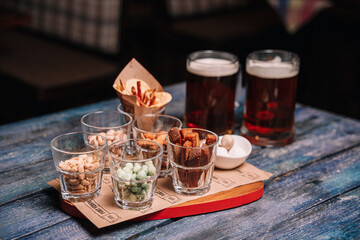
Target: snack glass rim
295,57
230,56
159,115
97,112
74,133
151,178
201,129
134,160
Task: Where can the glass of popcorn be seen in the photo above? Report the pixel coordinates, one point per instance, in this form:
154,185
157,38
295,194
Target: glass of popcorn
155,128
134,167
79,164
112,125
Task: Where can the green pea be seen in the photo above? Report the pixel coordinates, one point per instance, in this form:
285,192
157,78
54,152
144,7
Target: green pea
152,170
141,175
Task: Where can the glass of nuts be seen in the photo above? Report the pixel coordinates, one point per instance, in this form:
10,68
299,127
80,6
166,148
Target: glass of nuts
155,128
112,125
80,165
134,167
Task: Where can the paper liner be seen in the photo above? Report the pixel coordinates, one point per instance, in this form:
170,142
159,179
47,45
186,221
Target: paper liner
135,70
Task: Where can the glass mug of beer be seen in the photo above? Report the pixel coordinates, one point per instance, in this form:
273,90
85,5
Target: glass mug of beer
210,90
269,112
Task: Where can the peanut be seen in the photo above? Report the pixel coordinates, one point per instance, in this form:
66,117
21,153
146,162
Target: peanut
85,182
73,182
111,136
80,181
76,187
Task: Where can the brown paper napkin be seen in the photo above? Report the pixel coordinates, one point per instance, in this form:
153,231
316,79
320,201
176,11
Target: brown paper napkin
103,211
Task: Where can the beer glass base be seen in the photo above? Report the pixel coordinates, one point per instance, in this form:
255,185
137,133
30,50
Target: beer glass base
262,141
191,191
80,197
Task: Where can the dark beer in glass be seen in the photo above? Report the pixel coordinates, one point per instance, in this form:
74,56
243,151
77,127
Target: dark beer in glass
269,112
210,90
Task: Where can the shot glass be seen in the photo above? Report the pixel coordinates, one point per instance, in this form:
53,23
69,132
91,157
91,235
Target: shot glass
134,167
130,111
269,112
79,165
113,125
192,167
155,128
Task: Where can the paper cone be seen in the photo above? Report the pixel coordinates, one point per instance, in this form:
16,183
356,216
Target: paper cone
135,70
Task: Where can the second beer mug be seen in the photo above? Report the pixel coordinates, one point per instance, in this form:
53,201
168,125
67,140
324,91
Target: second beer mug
210,90
269,111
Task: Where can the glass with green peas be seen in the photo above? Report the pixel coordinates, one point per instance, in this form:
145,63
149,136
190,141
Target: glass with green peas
134,167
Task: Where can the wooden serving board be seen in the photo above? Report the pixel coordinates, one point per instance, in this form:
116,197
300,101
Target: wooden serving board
219,201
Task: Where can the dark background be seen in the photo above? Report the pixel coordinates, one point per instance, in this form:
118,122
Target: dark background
329,48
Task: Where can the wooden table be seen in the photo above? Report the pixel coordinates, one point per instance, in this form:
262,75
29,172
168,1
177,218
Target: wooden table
314,191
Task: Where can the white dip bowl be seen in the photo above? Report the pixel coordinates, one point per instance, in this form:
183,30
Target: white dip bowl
237,154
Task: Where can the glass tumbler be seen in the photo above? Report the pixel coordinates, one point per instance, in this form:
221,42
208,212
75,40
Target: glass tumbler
113,125
79,165
155,128
192,167
134,167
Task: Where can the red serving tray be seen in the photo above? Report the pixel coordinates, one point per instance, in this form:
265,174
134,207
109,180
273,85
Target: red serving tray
219,201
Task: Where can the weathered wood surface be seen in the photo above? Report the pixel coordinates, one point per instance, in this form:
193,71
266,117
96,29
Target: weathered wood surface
314,191
296,196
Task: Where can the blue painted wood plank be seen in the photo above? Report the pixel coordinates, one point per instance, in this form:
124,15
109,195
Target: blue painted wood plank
39,217
47,126
26,146
289,196
69,120
29,154
308,148
341,215
22,175
28,215
35,149
26,180
309,187
320,142
308,119
80,229
32,137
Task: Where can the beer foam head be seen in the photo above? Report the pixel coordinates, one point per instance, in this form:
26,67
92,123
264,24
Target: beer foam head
213,67
271,69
